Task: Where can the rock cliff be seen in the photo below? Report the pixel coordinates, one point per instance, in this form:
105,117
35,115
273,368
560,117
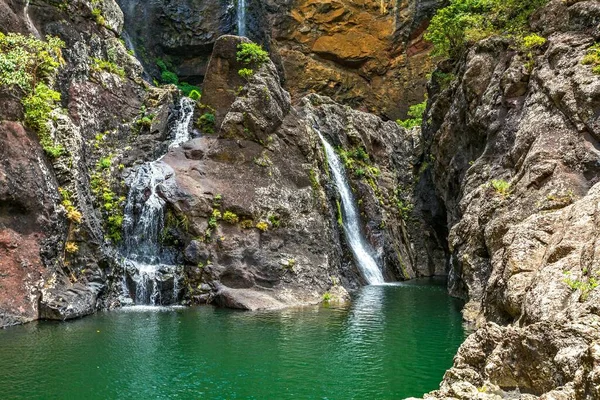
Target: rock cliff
58,208
514,144
366,54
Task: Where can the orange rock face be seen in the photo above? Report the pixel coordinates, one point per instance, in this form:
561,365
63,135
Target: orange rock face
368,54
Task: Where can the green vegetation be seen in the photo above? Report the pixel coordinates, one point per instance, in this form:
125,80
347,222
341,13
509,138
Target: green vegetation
195,95
247,224
97,13
108,66
327,297
533,41
593,58
252,54
404,208
501,187
588,283
111,205
246,73
274,220
206,123
168,77
467,21
262,226
230,218
29,65
146,121
415,112
73,214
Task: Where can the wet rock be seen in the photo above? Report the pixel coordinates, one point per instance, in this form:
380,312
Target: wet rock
68,302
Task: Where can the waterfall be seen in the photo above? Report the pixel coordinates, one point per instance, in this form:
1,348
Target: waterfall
30,24
128,42
182,128
241,17
150,273
351,221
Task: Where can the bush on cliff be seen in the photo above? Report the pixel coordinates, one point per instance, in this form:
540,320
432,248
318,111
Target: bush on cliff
252,54
29,65
415,113
467,21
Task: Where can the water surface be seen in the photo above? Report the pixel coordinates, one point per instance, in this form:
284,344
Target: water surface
393,342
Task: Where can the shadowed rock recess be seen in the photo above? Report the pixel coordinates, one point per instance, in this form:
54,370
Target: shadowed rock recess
499,190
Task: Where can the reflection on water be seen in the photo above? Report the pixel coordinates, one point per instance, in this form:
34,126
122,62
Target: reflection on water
392,342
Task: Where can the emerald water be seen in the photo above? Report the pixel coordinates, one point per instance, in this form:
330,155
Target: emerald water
392,342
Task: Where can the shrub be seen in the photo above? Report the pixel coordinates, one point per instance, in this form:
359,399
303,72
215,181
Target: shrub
533,41
97,13
73,214
592,58
247,224
501,187
415,112
252,54
246,73
275,220
108,66
586,285
206,123
467,21
187,90
105,163
230,218
327,297
262,226
38,107
169,77
146,121
26,61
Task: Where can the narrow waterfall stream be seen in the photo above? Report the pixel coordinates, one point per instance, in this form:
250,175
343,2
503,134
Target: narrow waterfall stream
30,26
241,17
351,220
151,273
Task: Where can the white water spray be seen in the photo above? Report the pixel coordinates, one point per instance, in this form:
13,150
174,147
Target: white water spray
351,221
143,223
241,17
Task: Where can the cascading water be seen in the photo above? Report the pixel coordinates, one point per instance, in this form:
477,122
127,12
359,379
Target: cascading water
241,17
128,42
182,129
30,24
351,221
150,273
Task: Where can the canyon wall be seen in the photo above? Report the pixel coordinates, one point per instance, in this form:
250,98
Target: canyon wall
513,144
367,54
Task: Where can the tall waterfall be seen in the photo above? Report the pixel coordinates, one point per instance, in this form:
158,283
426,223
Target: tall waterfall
241,17
351,221
149,273
30,24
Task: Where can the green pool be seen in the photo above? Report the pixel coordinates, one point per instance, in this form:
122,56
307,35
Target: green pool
392,342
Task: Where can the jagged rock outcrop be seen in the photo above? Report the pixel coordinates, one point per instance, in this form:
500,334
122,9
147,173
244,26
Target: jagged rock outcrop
368,54
515,153
261,210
